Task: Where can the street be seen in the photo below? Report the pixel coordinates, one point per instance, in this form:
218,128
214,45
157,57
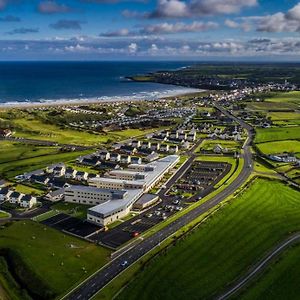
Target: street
97,281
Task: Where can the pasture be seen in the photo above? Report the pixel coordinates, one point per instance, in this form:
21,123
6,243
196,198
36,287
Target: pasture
223,247
49,262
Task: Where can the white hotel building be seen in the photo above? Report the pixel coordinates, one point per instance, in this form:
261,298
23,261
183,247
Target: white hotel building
114,195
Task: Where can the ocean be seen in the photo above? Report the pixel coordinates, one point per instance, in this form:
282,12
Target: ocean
29,82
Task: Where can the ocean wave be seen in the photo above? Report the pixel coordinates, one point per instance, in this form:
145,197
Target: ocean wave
153,95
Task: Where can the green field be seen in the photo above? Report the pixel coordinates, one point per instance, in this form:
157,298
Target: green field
221,249
76,210
285,97
279,281
17,158
46,261
277,134
10,152
3,214
280,147
209,145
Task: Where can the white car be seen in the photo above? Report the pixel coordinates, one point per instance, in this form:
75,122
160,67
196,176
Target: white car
124,263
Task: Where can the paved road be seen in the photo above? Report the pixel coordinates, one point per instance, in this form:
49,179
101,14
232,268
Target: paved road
101,278
260,266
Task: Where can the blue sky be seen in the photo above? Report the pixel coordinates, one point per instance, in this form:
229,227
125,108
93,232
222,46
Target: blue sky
149,29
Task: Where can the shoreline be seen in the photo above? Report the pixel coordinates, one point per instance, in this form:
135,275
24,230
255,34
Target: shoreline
182,91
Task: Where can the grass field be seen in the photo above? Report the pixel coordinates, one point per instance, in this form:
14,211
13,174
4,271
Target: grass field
285,97
76,210
279,147
210,144
223,247
3,214
35,129
277,134
10,152
279,281
57,261
17,158
29,127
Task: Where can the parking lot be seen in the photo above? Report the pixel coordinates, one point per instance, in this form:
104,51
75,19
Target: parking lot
75,226
202,175
199,178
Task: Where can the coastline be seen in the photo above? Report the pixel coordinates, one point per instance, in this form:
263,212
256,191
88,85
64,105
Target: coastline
177,92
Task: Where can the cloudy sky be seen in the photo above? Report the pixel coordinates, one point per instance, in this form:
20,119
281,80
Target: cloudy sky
150,29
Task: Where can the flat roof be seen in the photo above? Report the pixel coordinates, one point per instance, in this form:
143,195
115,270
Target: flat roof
112,206
94,189
147,198
114,180
126,172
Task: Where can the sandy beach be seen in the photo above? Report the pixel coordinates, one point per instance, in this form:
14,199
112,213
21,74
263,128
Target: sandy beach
100,100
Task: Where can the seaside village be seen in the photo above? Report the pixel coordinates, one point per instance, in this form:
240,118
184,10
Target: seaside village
122,185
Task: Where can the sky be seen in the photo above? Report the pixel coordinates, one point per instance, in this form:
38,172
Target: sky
255,30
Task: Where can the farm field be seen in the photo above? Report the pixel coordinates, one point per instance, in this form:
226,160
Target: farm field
223,247
285,118
280,147
286,97
272,106
46,261
279,281
18,158
277,134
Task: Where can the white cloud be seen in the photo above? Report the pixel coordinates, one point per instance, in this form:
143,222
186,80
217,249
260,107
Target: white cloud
132,48
231,24
177,8
169,28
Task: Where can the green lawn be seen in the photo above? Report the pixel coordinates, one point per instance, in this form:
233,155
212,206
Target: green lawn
277,134
49,261
3,214
10,152
210,144
279,147
17,158
35,129
279,281
76,210
221,250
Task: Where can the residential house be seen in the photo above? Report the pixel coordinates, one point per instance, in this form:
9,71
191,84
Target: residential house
41,179
155,146
27,201
70,173
80,176
152,156
115,157
104,155
15,197
136,160
173,149
125,159
4,192
164,148
136,143
218,149
59,171
56,195
145,145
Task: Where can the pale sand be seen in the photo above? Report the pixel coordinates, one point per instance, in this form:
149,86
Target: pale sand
100,100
